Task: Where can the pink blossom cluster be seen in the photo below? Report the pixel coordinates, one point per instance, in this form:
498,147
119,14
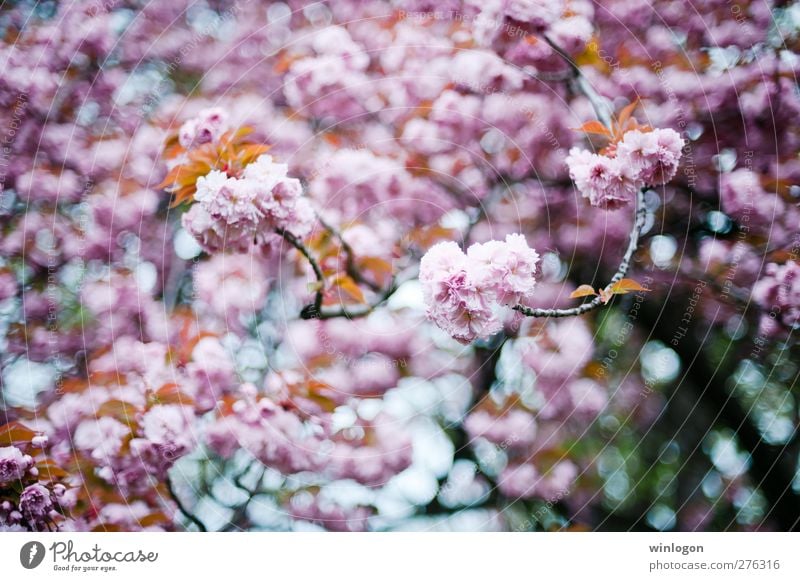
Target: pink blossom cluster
274,435
333,516
560,406
207,127
357,184
233,214
778,294
13,464
378,450
28,499
513,429
231,288
641,158
464,291
527,481
121,426
568,23
330,83
407,119
744,198
360,357
281,439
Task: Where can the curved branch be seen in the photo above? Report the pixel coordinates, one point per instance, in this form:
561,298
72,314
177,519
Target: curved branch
294,241
350,260
315,310
183,510
633,244
361,312
600,104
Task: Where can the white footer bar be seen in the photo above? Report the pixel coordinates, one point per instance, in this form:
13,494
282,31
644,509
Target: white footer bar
401,556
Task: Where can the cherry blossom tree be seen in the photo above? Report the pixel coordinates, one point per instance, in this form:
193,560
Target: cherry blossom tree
408,265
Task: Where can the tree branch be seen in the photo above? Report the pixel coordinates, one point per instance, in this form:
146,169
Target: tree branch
316,307
633,244
183,510
600,104
350,265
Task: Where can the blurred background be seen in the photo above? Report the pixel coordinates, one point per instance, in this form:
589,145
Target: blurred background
150,382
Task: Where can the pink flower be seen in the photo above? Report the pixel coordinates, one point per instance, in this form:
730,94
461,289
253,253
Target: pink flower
36,503
518,481
279,197
744,198
235,213
640,159
779,292
223,436
279,438
8,284
514,429
228,199
374,460
101,438
13,464
654,155
213,372
588,399
607,182
329,515
454,302
232,285
445,258
327,87
484,72
462,291
207,127
572,33
561,350
505,268
358,182
170,429
213,235
537,12
557,482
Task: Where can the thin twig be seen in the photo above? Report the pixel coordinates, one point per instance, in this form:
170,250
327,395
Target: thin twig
294,241
600,104
315,310
361,312
183,510
350,264
624,265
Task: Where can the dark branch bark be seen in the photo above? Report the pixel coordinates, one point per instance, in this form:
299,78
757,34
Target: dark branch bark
183,510
622,270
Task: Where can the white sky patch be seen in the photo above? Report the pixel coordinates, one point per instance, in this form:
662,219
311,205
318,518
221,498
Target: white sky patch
23,380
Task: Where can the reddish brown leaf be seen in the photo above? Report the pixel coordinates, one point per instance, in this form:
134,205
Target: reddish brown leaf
15,432
171,393
584,290
379,267
50,470
595,127
626,113
249,153
108,528
121,411
627,285
349,287
154,518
